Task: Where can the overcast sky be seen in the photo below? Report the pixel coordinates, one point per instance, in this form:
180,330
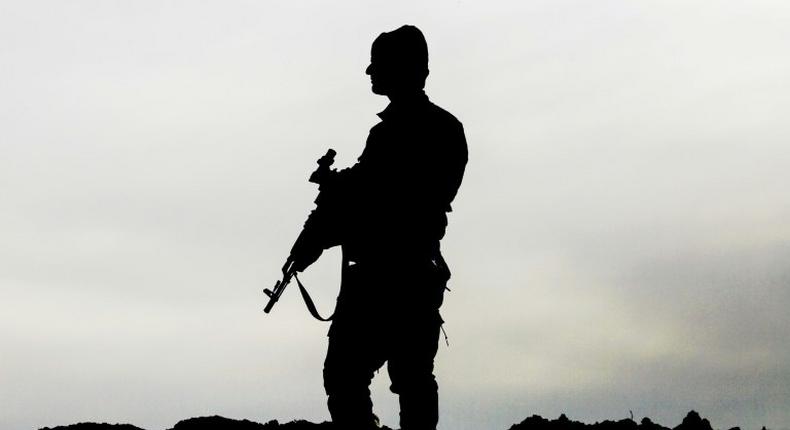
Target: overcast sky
621,240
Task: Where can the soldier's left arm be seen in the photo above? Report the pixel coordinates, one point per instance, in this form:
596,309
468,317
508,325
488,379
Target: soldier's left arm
444,165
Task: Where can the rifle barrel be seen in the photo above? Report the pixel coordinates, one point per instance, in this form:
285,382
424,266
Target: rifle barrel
275,292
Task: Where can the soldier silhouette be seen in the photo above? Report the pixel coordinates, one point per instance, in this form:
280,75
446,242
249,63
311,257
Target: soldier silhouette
388,212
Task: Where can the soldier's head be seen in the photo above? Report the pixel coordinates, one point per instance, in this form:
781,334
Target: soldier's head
398,62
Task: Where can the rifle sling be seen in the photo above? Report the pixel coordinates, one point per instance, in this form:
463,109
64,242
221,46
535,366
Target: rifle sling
308,301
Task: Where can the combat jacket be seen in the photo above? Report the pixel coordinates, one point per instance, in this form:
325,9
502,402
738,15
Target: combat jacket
393,203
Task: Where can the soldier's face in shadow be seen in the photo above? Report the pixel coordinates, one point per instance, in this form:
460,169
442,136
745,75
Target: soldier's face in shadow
391,71
382,72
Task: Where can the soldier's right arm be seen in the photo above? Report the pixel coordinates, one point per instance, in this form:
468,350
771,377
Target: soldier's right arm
327,223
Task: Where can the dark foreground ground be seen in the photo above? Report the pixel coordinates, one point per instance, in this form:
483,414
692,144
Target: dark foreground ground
692,421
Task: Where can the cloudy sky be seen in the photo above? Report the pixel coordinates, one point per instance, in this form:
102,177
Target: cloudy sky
621,240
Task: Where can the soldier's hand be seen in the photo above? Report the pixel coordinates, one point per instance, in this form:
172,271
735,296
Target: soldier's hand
288,266
305,251
301,259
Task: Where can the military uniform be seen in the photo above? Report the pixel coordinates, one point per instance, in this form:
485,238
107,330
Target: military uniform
388,212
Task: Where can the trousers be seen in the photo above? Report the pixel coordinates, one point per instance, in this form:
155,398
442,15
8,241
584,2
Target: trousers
372,326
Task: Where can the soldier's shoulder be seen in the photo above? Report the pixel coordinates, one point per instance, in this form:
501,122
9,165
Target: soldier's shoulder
438,113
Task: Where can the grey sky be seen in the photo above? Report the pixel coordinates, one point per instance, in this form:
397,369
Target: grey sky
621,240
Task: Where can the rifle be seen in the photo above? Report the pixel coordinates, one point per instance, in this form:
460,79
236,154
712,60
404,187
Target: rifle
279,286
289,270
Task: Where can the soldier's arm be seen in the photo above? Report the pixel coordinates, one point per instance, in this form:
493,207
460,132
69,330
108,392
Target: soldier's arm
325,226
456,165
438,176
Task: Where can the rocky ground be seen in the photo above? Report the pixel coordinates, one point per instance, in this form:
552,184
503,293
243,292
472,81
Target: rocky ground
692,421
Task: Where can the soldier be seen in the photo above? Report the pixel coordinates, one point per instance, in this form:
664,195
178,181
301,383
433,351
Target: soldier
388,213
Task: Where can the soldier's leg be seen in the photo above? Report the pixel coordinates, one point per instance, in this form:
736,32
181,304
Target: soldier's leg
348,370
410,367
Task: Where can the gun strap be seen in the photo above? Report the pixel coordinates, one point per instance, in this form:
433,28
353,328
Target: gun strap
308,301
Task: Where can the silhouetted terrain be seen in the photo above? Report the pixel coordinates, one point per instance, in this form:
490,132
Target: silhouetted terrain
208,423
692,421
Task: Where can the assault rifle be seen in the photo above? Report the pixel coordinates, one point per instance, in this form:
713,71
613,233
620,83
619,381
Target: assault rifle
276,291
289,271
